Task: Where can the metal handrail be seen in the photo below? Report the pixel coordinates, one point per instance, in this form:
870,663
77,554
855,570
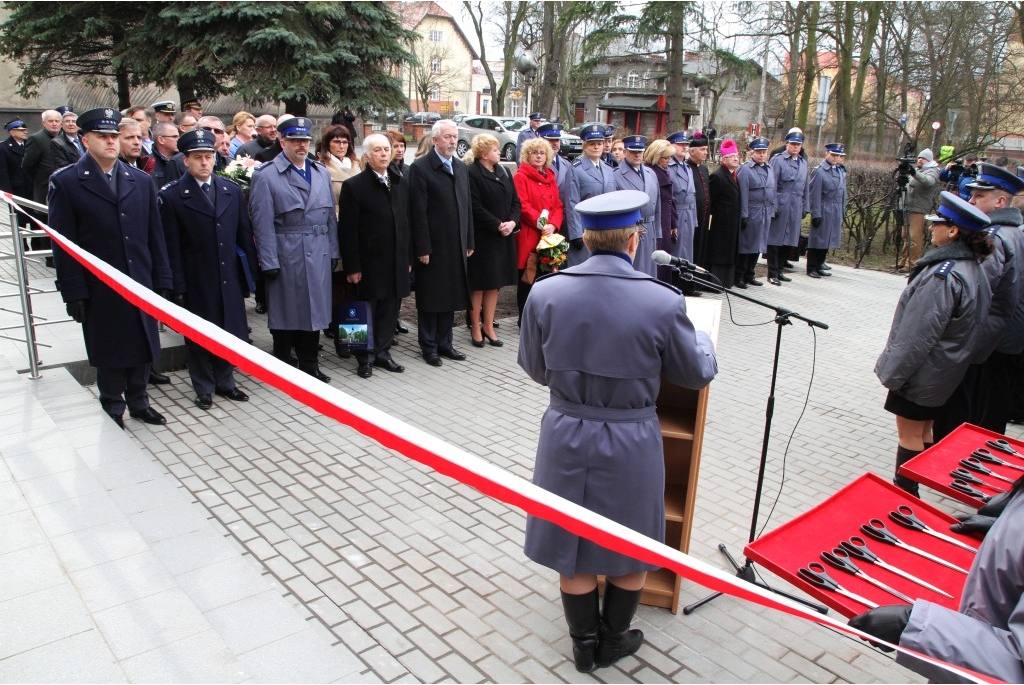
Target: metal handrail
24,289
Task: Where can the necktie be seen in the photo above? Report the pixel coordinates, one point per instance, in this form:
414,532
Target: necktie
385,181
448,166
206,189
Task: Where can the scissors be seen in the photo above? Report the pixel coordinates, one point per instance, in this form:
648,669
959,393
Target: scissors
964,487
974,464
905,516
965,476
857,547
982,454
840,558
1003,446
876,529
816,574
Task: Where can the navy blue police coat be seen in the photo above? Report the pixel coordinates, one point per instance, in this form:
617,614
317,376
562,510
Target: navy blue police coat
201,245
12,177
124,231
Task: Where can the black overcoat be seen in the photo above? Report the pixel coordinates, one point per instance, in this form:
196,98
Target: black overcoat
64,151
201,246
124,231
495,200
722,239
12,176
441,220
699,172
38,163
373,233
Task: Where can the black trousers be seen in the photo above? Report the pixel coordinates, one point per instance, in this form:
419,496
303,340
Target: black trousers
384,314
208,372
304,342
994,391
776,256
960,406
435,331
745,264
522,292
815,258
123,386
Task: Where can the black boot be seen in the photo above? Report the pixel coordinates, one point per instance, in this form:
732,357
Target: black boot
312,367
617,640
903,455
583,614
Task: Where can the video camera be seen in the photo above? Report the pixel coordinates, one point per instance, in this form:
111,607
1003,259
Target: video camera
903,170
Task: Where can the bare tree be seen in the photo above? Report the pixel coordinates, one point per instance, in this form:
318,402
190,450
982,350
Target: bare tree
432,71
506,21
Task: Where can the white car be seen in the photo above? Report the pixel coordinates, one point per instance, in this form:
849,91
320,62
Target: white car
471,126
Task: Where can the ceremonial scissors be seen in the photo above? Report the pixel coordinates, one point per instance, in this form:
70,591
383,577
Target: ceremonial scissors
964,487
876,529
905,516
982,454
1003,446
857,547
965,475
816,574
974,464
840,558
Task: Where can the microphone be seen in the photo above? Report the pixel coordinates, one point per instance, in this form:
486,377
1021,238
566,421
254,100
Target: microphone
665,259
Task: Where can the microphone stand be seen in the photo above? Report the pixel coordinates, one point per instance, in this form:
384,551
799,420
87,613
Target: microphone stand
783,317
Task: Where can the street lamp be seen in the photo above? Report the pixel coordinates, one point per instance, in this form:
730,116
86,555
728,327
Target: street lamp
936,125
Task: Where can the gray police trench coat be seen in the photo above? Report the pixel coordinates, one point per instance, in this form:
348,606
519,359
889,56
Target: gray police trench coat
791,198
600,441
626,178
757,204
935,326
987,633
297,232
685,193
591,181
828,201
1006,278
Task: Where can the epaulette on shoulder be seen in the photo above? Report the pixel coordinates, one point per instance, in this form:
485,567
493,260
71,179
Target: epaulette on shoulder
62,170
671,287
993,230
171,184
578,161
547,275
944,269
262,165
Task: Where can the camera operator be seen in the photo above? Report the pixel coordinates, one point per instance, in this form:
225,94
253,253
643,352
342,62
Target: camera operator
959,173
921,191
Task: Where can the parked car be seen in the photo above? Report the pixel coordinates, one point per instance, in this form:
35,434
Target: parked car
499,128
572,145
424,117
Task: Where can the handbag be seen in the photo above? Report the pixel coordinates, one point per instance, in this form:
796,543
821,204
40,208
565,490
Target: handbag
530,273
355,325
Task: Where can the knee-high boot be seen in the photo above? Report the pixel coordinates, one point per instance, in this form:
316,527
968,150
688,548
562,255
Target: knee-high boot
583,614
903,455
617,640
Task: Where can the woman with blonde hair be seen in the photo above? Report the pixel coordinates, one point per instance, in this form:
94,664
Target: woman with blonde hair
496,211
241,130
657,156
538,191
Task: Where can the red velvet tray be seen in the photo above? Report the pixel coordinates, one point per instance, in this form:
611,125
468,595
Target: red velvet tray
795,544
932,467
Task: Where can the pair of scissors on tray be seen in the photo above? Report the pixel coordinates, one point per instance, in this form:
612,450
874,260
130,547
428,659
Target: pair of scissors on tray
1003,446
974,464
982,454
840,559
857,547
906,517
969,490
815,574
967,477
876,529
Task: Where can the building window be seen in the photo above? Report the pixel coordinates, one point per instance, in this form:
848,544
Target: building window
515,79
436,36
435,65
435,93
633,80
618,80
485,106
518,108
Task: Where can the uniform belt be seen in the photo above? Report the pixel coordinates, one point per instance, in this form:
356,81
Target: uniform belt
608,414
314,229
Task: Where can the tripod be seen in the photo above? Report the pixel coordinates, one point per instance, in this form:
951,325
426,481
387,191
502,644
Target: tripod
899,209
783,317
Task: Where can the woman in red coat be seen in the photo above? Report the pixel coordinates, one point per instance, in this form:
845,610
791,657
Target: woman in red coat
538,191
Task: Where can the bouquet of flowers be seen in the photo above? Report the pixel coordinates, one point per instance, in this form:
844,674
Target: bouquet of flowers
240,171
551,252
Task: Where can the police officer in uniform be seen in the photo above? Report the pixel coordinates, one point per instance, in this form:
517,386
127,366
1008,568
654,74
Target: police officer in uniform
608,157
109,209
210,246
792,201
757,205
164,111
685,193
600,441
296,231
568,189
593,178
633,174
827,195
529,133
12,152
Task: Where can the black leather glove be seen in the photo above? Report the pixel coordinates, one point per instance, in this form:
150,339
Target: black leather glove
886,622
912,171
76,310
334,264
973,523
576,244
816,221
743,223
994,507
271,274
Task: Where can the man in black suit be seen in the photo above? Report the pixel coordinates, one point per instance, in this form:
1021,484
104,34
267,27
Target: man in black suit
441,219
374,237
67,148
109,209
698,169
723,236
38,162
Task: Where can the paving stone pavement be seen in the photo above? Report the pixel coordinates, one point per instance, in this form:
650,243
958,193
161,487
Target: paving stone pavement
412,577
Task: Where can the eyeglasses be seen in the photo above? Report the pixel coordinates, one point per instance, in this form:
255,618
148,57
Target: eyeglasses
211,129
340,140
267,126
172,136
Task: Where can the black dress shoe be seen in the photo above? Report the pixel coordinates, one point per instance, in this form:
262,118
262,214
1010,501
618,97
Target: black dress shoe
341,350
401,327
118,420
149,415
784,278
787,265
365,370
261,308
824,274
321,376
824,267
753,281
452,354
234,394
389,364
157,378
477,343
774,281
742,285
813,274
204,401
432,359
